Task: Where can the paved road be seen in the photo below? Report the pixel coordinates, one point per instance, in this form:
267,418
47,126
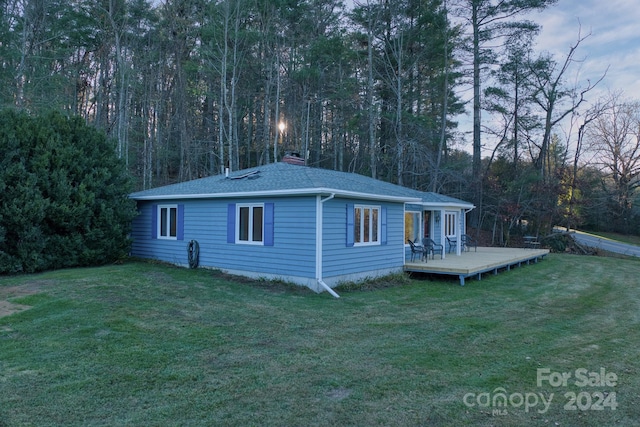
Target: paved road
605,244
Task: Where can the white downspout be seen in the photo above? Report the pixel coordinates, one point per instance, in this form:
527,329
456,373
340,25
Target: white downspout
328,288
463,220
443,237
466,211
459,232
319,214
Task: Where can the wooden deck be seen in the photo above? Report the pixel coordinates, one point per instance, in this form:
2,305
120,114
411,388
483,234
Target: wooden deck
474,264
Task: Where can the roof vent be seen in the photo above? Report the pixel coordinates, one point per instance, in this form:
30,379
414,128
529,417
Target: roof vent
248,175
293,158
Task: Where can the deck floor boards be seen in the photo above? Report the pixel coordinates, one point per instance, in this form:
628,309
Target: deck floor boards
475,263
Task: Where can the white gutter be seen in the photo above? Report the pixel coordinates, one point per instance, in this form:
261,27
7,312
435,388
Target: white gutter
433,206
319,203
290,192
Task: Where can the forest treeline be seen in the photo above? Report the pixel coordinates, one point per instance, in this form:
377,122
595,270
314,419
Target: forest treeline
188,88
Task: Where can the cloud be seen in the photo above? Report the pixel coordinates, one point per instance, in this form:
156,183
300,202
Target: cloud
613,39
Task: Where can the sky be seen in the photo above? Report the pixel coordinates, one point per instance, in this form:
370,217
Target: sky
611,46
613,30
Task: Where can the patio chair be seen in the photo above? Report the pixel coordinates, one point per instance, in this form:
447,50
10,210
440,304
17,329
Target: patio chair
531,242
432,247
468,242
417,250
452,244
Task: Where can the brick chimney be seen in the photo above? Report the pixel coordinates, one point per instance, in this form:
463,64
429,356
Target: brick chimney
293,158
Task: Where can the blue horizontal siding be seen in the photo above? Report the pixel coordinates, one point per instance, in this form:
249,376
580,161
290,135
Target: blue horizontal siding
144,246
342,260
205,221
293,253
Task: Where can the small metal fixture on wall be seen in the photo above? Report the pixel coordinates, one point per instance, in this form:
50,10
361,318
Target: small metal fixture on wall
437,216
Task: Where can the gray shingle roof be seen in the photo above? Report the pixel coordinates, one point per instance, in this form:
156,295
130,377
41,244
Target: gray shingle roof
286,179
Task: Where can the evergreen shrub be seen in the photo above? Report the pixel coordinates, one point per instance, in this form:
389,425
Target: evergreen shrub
63,194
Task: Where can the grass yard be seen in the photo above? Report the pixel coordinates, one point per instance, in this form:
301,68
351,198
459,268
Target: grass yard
624,238
149,344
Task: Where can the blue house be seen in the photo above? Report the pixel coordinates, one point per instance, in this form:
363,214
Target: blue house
309,226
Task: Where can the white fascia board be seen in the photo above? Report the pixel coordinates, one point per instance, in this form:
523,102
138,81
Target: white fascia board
281,193
447,205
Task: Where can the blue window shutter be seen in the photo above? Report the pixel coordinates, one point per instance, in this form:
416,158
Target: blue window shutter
180,220
231,223
268,224
350,226
154,221
383,223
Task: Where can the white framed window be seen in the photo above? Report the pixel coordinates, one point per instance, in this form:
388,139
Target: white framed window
366,230
450,224
250,223
167,222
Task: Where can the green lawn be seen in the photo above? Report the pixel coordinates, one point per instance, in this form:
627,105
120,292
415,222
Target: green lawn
624,238
148,344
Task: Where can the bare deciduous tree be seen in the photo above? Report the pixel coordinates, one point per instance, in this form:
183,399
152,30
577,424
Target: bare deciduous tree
555,98
616,135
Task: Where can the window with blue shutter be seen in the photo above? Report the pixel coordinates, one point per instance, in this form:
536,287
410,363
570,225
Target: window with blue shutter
167,222
180,225
350,224
268,224
366,225
231,223
250,223
383,225
154,221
